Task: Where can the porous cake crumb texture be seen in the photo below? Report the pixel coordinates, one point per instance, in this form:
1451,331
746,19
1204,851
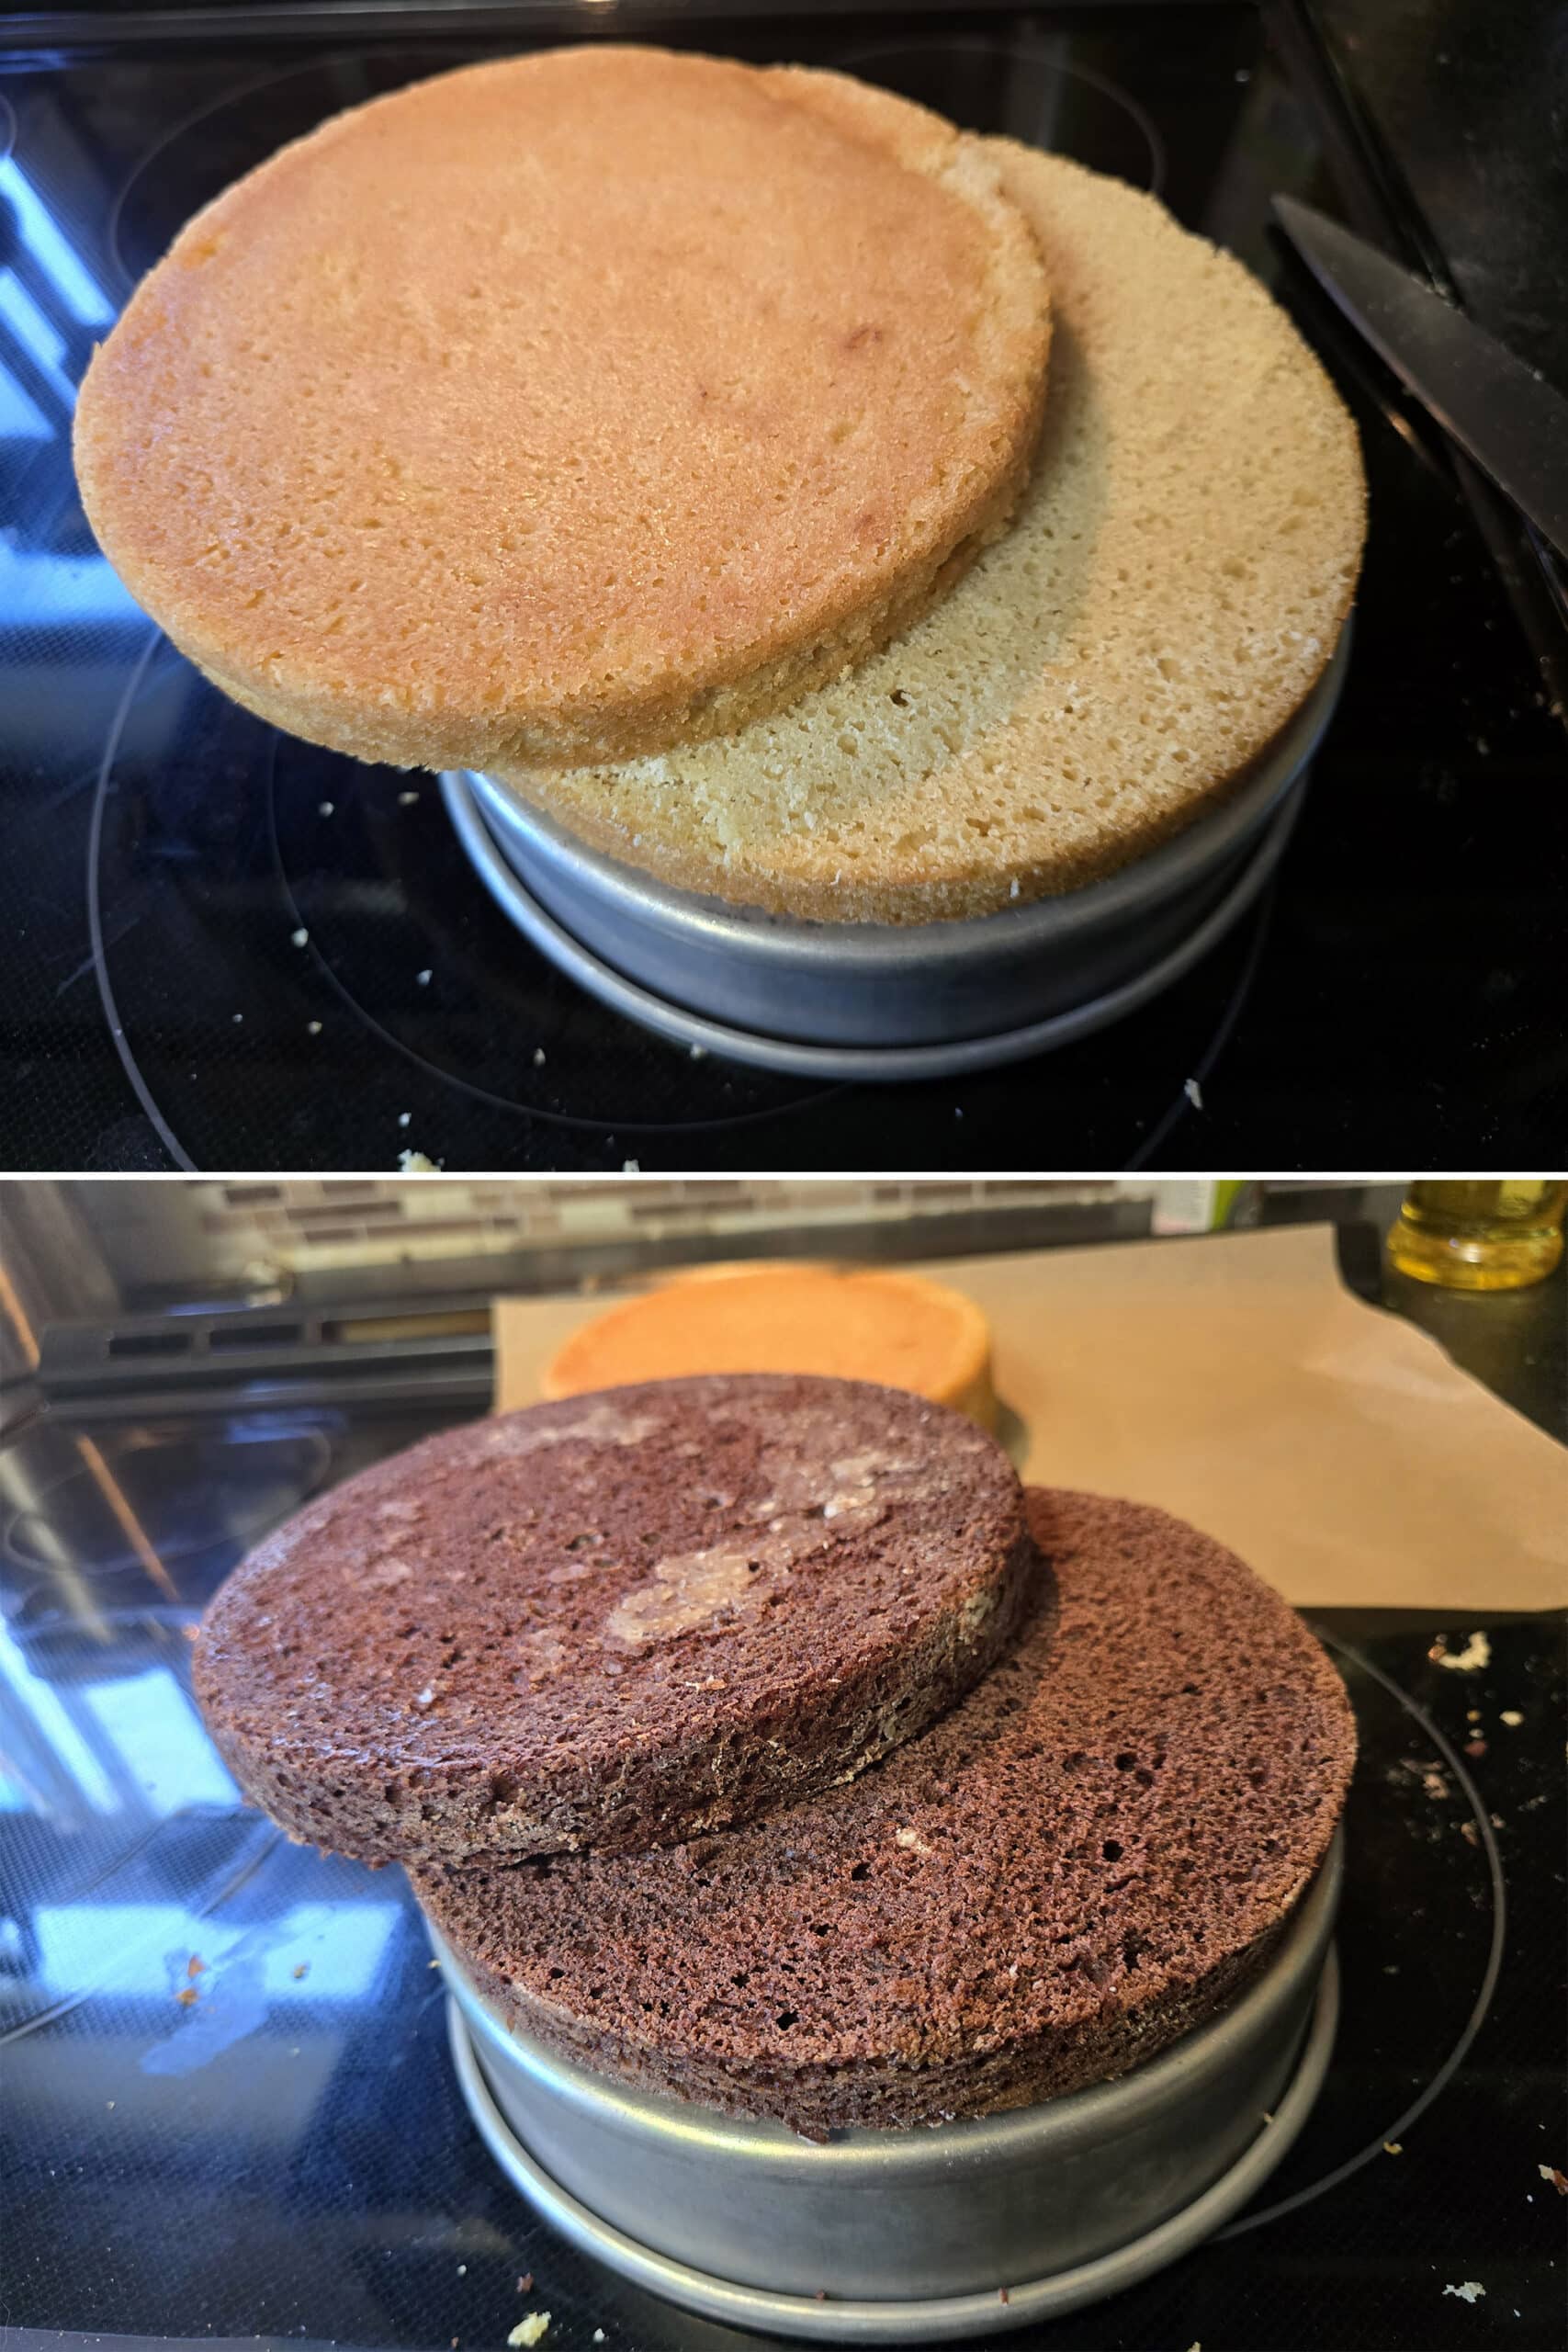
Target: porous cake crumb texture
1082,1860
1169,593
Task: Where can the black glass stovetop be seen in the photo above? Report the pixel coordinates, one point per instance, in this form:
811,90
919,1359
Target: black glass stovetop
228,2110
221,947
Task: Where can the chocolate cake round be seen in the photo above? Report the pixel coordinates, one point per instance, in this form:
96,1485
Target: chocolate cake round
1083,1861
616,1619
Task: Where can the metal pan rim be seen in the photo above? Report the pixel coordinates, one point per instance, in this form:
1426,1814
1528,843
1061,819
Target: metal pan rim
935,2319
884,1064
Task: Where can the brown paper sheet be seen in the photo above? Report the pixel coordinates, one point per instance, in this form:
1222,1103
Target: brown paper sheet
1235,1380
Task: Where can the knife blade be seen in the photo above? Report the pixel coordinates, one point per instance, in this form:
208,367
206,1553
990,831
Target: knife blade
1499,410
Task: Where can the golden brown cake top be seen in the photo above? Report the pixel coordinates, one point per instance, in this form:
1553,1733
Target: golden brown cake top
564,406
1171,590
879,1324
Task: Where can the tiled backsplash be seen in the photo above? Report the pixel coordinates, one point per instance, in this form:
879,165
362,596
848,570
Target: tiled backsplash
167,1236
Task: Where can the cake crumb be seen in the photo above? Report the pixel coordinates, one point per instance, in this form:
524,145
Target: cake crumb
195,1965
1476,1652
1435,1786
531,2330
302,1969
425,977
1476,1748
186,1995
1470,2290
297,938
598,2335
524,2284
1549,2172
325,808
416,1163
1512,1718
1193,1092
630,1168
1003,2295
407,800
1394,2147
312,1028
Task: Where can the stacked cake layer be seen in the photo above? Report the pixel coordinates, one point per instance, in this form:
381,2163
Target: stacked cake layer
757,1740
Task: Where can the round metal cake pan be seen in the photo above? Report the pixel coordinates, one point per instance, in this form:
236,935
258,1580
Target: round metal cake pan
887,985
879,1064
1074,2199
912,2320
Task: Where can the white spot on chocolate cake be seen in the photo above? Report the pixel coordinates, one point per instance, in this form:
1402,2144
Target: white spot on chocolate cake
384,1574
426,1698
598,1424
976,1611
911,1839
686,1591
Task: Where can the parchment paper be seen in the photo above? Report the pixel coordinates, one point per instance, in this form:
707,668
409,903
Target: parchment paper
1235,1380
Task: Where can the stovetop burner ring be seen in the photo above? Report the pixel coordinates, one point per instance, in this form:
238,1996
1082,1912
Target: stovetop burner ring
1025,54
122,1045
1445,2072
470,1087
